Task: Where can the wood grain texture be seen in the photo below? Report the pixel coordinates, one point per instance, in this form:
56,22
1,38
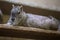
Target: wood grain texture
28,32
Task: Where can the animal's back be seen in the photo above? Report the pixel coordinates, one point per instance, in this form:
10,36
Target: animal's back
38,21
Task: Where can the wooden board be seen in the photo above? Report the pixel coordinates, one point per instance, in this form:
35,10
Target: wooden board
28,32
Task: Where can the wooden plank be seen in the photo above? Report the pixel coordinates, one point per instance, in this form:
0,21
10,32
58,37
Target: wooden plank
44,4
28,32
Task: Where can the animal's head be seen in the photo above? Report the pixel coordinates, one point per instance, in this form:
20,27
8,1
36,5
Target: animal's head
15,12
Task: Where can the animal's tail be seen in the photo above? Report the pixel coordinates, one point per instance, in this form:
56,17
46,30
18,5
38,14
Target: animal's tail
59,28
57,22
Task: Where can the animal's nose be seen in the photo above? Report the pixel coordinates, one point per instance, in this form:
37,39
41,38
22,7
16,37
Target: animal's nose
12,19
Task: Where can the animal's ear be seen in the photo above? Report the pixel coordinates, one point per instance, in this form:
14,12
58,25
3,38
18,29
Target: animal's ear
13,5
21,7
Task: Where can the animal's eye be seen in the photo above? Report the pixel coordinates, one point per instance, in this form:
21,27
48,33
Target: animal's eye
19,13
